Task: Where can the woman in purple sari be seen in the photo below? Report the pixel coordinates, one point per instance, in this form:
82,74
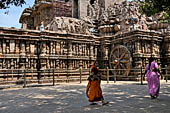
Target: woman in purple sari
152,74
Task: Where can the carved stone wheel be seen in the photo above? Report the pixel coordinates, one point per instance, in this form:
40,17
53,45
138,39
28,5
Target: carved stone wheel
120,59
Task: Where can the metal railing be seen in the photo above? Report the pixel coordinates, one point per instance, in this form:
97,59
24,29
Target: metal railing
52,75
165,72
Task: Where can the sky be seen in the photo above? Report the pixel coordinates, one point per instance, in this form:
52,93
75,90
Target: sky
12,18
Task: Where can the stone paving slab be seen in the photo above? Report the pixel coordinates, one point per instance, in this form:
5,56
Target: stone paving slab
124,97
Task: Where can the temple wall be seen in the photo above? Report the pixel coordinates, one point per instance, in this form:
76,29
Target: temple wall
38,51
140,45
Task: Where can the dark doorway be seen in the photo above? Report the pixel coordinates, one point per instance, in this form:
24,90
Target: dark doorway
75,9
92,2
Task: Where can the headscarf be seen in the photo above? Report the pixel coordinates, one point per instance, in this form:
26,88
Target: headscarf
94,68
93,64
94,72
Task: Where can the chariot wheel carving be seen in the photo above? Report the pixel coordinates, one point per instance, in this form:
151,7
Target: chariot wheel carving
120,59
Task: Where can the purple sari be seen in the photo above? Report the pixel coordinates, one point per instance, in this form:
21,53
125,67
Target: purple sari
153,79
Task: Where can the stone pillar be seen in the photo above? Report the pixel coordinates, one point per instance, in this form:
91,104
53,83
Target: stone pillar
74,50
22,49
32,48
149,48
27,47
48,64
1,61
106,53
9,63
54,48
85,50
154,48
7,46
43,48
24,26
4,47
22,63
17,47
12,46
91,51
137,46
95,52
27,63
43,64
0,47
57,48
70,48
48,48
57,63
52,45
70,64
80,49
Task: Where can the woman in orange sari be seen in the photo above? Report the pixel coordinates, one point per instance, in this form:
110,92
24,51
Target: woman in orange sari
93,90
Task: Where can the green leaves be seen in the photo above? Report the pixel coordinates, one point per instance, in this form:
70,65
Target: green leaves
151,7
4,4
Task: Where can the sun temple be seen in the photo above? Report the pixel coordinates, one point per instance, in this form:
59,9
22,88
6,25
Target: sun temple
65,35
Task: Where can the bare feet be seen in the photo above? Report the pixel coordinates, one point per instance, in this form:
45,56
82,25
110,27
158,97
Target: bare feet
153,97
93,103
104,103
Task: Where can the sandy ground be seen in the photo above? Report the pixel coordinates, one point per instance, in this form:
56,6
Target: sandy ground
124,97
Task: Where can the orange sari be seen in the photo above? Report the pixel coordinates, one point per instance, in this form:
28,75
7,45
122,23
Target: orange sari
93,89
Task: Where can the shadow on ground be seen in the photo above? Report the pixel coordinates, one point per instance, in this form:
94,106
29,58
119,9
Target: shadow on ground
123,98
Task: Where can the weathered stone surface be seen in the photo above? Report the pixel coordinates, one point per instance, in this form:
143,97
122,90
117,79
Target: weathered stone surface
68,25
64,42
44,11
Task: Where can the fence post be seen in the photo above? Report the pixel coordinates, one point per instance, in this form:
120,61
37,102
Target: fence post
32,71
107,75
44,74
166,73
114,75
12,75
141,75
53,78
25,78
80,74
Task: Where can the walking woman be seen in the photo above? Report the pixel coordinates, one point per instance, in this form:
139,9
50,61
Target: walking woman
152,73
93,89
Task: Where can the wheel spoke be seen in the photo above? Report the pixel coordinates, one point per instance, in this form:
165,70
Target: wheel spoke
114,56
120,59
117,65
122,56
122,50
125,66
122,65
114,63
124,61
116,53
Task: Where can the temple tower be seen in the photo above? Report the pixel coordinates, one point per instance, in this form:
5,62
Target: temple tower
80,7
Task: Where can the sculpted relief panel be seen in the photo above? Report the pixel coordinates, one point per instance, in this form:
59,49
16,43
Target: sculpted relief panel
68,25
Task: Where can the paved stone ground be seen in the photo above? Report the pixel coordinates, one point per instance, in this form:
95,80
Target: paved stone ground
124,97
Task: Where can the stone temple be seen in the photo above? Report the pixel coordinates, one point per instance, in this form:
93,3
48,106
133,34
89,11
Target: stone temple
60,37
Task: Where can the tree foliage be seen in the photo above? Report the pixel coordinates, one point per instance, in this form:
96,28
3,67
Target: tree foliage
4,4
151,7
